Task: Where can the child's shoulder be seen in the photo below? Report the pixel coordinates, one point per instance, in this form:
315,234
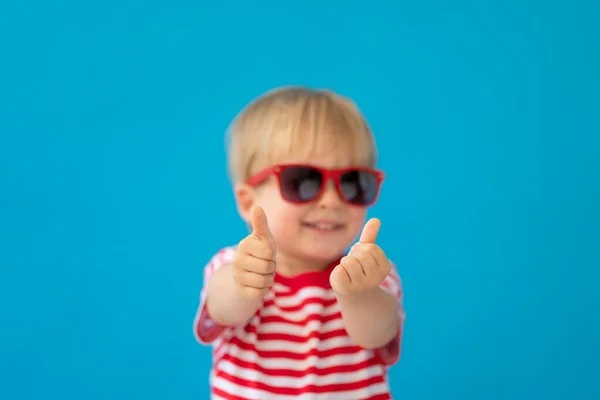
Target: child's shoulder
222,256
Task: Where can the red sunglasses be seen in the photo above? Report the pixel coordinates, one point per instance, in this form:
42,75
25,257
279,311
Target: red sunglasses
301,183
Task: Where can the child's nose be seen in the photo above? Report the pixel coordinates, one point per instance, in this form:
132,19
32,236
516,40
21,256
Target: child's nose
330,196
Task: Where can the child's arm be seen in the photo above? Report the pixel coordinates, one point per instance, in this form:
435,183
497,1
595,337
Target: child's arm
225,303
371,314
370,318
235,291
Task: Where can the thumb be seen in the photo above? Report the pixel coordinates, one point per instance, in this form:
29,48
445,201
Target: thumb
258,219
370,231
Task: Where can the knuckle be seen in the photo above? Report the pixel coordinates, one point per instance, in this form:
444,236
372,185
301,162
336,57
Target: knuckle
238,264
265,281
251,280
240,278
260,267
370,247
357,246
355,263
362,246
251,293
248,243
235,268
265,267
267,252
240,255
386,267
374,280
235,272
244,243
261,282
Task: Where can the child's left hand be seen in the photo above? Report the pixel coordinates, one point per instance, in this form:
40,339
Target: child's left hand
365,267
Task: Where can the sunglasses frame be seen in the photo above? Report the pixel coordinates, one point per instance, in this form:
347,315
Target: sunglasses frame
326,173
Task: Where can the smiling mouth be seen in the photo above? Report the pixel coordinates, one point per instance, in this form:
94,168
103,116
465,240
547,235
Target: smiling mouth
323,226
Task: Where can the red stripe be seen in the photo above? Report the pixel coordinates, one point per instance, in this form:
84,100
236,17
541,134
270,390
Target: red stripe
392,285
334,388
283,290
302,304
252,337
264,336
226,395
290,373
382,396
218,346
207,334
294,356
312,317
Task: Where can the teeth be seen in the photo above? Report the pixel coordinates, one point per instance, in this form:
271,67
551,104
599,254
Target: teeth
325,227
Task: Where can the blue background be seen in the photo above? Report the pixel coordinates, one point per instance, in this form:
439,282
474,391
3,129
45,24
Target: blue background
113,187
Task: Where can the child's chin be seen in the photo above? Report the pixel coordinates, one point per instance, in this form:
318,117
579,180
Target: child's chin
323,253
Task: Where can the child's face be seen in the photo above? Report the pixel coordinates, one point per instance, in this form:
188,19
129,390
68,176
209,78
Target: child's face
317,231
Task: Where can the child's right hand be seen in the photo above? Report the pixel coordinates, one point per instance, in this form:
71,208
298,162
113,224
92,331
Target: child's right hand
254,260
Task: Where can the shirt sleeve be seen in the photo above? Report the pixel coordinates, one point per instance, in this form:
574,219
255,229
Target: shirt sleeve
390,353
207,330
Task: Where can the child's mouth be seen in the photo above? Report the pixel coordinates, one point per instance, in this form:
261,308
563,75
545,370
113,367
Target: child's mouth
323,226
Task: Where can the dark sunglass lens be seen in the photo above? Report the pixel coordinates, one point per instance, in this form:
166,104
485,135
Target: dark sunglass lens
359,187
300,184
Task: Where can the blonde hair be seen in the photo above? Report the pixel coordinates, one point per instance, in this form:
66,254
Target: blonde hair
293,119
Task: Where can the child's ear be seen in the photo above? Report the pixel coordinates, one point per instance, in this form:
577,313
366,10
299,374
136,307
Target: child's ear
244,199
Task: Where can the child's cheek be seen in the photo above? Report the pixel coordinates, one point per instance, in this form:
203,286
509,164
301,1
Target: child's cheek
357,218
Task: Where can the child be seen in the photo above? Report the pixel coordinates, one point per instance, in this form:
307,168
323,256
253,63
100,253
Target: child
290,316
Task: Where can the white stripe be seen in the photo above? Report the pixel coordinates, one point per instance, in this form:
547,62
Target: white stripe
392,286
251,393
304,293
222,257
301,382
278,288
298,348
338,360
219,349
308,309
297,330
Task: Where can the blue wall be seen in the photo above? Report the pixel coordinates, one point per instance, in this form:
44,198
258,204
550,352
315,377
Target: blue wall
113,189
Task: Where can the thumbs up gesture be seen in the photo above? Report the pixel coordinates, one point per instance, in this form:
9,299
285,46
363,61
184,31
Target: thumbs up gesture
365,267
254,260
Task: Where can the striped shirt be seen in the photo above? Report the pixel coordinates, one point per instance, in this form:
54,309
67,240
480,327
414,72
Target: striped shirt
295,346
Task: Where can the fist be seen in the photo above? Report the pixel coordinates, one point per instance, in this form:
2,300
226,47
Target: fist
365,267
254,260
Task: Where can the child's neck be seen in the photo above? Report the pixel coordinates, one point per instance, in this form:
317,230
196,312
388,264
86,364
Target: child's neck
290,266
